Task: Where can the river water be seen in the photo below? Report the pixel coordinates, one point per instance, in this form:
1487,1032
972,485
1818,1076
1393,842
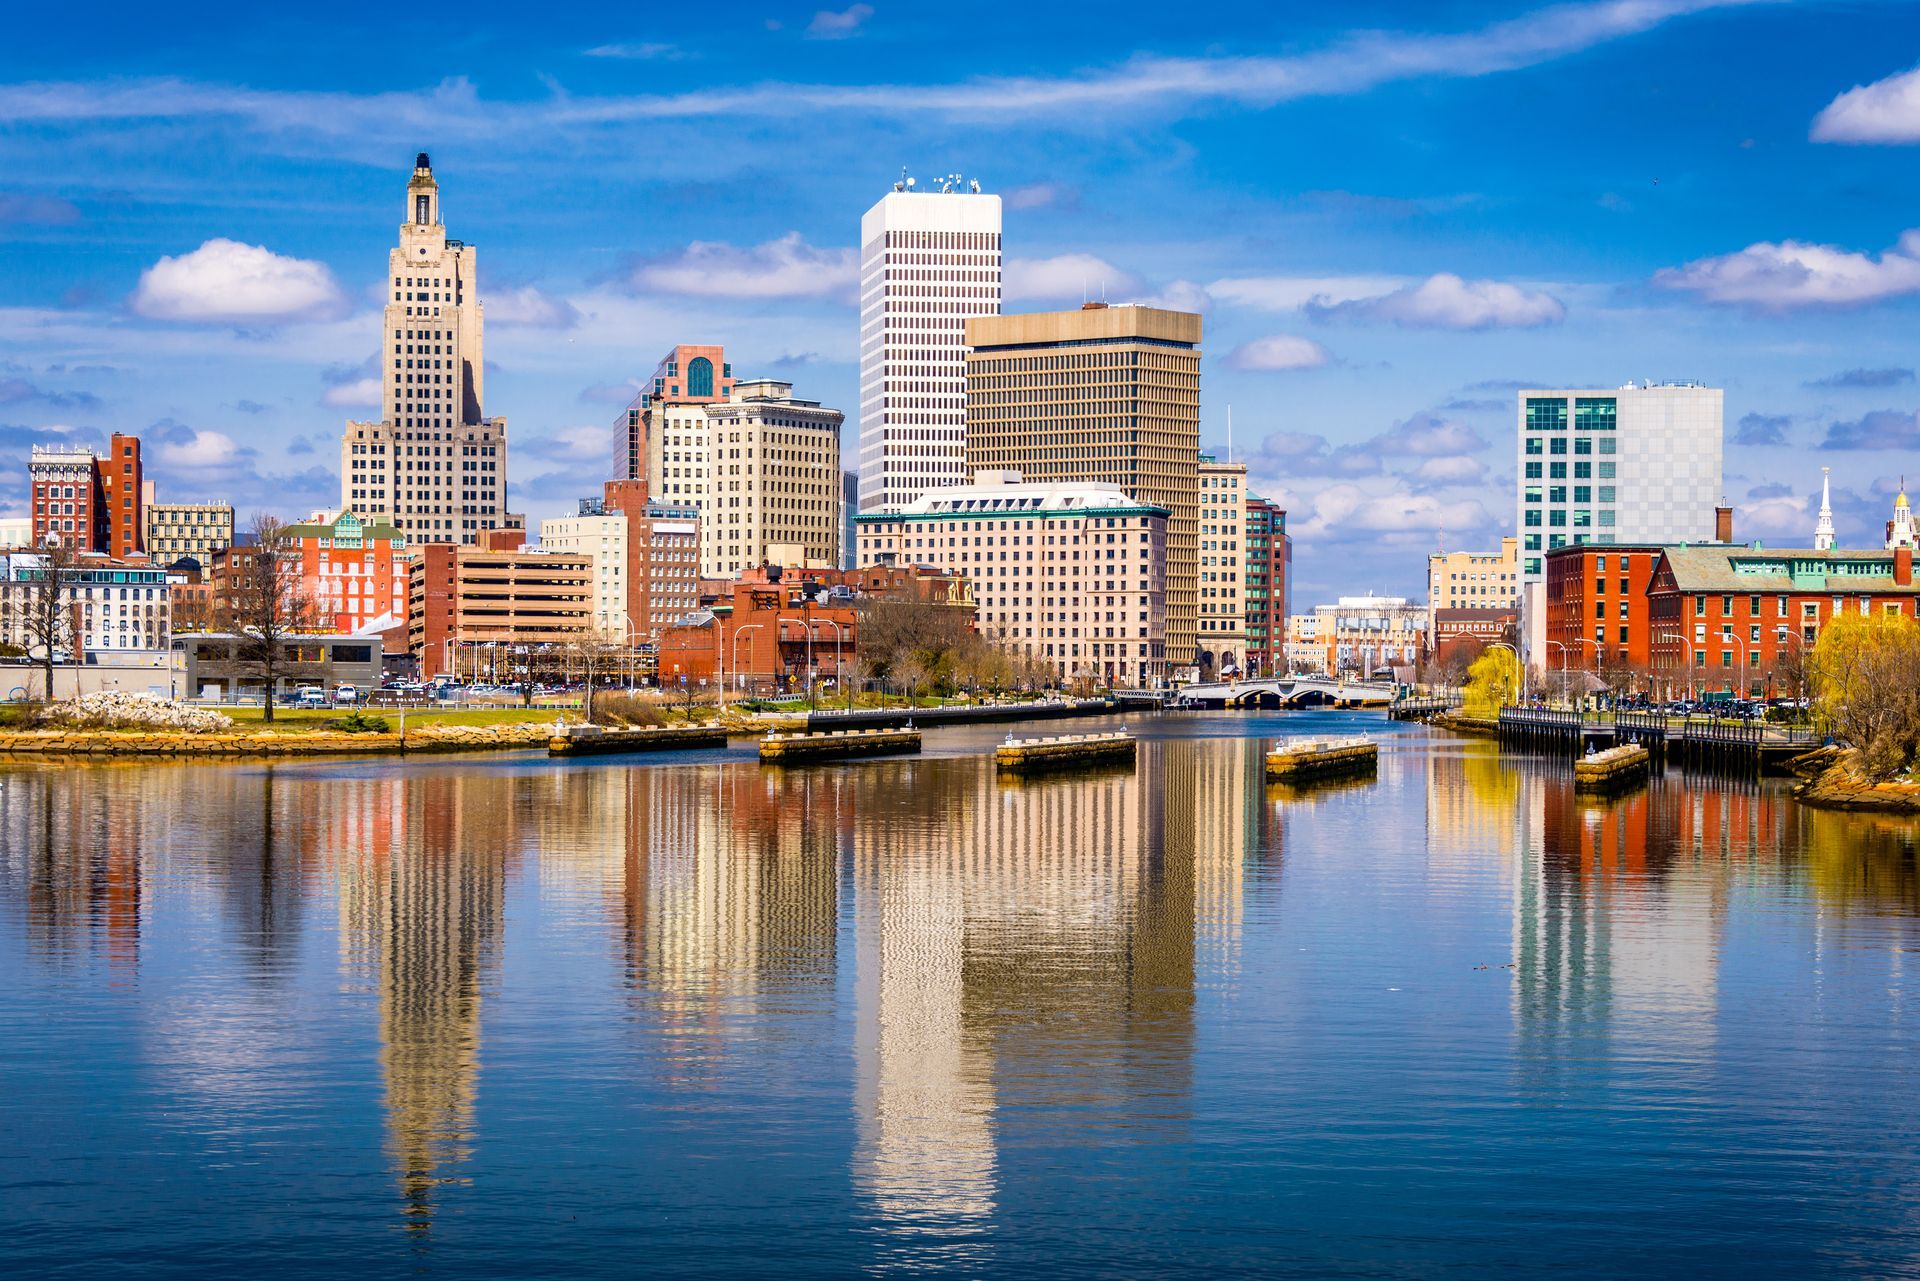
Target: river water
693,1017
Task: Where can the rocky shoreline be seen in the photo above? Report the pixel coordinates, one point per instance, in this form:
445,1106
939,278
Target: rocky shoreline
1829,781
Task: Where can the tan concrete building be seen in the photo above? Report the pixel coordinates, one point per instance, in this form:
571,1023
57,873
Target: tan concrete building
1103,395
1072,573
188,529
466,596
601,537
1222,607
1473,580
434,464
773,493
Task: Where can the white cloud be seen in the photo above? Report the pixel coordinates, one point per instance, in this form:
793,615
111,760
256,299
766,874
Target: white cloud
1180,295
570,445
527,305
1445,301
1068,277
1359,62
201,449
1039,195
643,52
1346,511
785,268
227,282
1291,293
1884,111
829,25
1790,274
1279,351
361,393
1455,470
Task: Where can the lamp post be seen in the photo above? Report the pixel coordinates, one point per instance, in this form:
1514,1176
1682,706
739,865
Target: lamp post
737,632
1799,685
1521,693
1689,652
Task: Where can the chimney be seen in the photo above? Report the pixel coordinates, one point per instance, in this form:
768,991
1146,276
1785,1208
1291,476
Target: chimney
1723,524
1903,566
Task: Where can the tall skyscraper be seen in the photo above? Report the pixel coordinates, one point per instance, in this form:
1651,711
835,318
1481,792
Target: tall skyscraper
1105,394
434,464
1638,464
1269,553
929,260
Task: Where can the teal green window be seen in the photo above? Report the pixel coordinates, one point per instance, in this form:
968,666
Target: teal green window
1594,413
1535,445
1559,445
1546,415
699,376
1606,445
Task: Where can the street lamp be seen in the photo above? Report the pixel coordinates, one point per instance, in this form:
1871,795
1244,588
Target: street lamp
1689,652
737,632
1518,662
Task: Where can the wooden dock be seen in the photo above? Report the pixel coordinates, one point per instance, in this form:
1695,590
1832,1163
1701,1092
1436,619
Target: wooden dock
1616,767
802,749
1304,759
1033,755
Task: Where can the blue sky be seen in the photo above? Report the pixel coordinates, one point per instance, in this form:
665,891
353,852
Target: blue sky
1391,214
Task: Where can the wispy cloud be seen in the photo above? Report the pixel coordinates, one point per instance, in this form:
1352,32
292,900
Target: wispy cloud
1278,352
455,110
640,52
830,24
1853,378
1067,277
45,210
1445,301
1762,429
788,267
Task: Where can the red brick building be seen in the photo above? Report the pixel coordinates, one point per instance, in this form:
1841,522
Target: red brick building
1470,630
91,503
1596,598
774,626
463,597
1267,556
355,573
1739,619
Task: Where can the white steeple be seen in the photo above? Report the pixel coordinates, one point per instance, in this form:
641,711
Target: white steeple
1823,530
1900,532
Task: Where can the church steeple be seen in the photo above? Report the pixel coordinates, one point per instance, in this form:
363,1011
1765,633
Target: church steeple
1900,531
1823,528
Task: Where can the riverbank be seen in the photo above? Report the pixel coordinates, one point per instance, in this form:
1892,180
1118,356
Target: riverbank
1830,781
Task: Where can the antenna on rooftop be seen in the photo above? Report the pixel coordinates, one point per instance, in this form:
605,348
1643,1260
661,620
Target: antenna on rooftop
1229,433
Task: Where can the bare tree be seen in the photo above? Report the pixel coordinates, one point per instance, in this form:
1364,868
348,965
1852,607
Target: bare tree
267,605
49,608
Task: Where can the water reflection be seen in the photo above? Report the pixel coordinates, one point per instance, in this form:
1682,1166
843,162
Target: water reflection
960,987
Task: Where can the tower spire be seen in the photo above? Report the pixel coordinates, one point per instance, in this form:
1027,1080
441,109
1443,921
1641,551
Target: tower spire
1823,528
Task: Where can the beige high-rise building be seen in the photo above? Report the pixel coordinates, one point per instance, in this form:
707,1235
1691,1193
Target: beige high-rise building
772,489
198,530
1222,607
434,464
1104,394
601,536
1473,580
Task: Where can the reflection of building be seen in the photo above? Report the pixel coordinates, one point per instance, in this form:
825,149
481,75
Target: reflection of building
1002,931
72,858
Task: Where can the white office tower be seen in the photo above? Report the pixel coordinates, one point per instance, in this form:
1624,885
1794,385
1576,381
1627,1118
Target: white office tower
434,463
929,259
1638,464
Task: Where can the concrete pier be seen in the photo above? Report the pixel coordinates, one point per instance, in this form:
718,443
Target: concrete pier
583,740
1032,755
800,749
1304,759
1615,767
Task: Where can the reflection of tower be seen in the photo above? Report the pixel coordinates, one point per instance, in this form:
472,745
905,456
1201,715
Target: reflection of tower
425,916
1002,931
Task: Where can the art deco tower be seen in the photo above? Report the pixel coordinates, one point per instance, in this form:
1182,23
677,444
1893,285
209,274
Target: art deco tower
435,464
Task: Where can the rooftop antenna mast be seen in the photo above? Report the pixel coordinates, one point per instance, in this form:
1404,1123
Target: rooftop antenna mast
1229,433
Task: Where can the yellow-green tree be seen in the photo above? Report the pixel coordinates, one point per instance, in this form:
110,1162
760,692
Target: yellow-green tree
1492,682
1865,674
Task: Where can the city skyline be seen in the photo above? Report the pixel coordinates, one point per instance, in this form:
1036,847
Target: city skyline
1382,247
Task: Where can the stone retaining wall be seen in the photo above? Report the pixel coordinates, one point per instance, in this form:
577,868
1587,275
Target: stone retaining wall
426,738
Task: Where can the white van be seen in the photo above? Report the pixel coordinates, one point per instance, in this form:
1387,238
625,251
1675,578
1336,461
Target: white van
346,694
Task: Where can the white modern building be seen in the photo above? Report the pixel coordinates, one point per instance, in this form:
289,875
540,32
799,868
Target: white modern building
929,259
1635,464
1222,617
1073,573
434,464
771,494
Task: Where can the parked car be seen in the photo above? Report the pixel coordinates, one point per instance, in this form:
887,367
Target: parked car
310,696
344,694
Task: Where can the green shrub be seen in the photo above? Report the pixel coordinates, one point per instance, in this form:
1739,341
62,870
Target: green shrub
359,723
